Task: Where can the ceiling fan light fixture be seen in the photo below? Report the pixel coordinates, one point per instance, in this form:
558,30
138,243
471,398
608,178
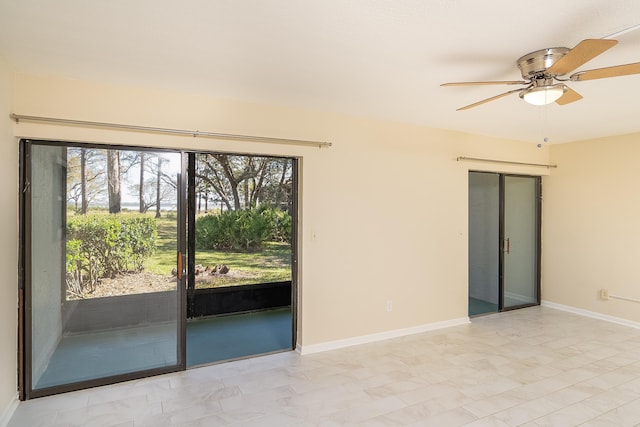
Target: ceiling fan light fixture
543,95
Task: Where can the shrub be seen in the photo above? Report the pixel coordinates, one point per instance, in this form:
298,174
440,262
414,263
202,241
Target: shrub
242,230
280,223
100,246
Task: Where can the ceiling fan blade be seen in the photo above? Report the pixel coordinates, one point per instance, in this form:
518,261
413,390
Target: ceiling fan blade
603,73
585,51
484,101
569,96
501,82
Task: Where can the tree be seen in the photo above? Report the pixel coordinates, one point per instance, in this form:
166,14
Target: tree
85,176
83,181
261,166
129,160
244,181
158,186
209,173
153,185
285,178
226,174
233,174
114,181
142,208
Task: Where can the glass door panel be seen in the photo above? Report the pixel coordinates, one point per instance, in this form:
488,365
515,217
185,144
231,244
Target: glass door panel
484,223
520,241
240,265
103,288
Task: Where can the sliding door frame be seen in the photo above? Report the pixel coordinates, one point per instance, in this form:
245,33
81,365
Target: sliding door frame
185,261
501,244
191,233
295,255
24,369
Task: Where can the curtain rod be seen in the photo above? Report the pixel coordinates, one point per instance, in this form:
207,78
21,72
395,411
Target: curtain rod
194,133
473,159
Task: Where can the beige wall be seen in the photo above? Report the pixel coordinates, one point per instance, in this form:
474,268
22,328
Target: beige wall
383,211
592,225
8,244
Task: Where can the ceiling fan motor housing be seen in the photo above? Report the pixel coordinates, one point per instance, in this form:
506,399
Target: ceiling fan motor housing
534,65
543,72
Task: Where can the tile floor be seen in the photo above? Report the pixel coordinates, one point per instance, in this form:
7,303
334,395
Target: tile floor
531,367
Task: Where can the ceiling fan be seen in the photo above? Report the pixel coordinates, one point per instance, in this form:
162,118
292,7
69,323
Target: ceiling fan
543,72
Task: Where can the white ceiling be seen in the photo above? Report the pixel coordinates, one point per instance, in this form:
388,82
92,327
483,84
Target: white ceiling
376,58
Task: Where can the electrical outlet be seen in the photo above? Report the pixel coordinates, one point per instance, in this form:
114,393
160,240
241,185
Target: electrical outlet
604,294
389,305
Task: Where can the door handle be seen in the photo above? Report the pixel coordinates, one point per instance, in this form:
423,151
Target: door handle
179,266
507,245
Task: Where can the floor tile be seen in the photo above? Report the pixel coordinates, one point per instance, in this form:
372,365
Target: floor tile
532,367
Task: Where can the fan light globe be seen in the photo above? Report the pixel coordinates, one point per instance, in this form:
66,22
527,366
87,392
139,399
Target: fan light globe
543,95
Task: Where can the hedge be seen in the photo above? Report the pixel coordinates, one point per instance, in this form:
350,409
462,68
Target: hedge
243,230
100,246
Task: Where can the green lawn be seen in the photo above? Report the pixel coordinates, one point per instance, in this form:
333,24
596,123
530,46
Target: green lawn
273,264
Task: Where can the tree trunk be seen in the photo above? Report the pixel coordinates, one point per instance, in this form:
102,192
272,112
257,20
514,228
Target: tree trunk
258,185
143,208
158,187
245,187
113,181
84,205
280,190
233,182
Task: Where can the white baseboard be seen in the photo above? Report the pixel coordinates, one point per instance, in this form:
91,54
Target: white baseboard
365,339
592,314
6,415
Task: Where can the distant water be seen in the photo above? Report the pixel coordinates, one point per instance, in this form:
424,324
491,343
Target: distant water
134,206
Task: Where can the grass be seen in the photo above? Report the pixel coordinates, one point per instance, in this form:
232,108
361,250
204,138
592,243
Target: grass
164,259
273,264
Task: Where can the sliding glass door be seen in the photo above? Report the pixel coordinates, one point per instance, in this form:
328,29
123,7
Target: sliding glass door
520,241
104,288
110,292
484,249
241,289
504,242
